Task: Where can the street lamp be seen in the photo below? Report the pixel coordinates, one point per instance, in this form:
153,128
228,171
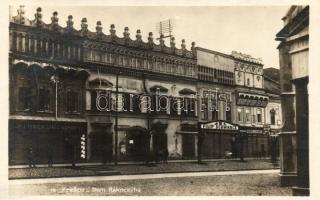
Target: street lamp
116,119
55,79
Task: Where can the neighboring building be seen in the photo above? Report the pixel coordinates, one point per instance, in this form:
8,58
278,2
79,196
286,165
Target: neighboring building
273,109
294,137
272,73
99,98
216,85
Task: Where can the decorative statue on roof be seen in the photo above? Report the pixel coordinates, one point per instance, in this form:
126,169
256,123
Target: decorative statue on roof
55,20
20,18
150,39
112,30
84,26
99,28
126,33
70,22
138,35
183,44
193,48
38,17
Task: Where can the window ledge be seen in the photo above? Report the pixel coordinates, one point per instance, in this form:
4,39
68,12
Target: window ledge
25,110
73,113
45,111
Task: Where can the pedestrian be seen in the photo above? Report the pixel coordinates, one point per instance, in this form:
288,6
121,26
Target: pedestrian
31,160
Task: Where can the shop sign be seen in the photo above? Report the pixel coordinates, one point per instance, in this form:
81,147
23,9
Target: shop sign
48,126
258,131
83,150
220,125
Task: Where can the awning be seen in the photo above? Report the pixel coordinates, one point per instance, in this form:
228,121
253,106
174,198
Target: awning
187,132
36,118
187,91
102,81
47,66
158,87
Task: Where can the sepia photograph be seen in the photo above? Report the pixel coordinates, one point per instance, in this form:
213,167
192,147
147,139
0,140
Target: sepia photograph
158,100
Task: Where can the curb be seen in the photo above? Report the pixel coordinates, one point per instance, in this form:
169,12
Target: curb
119,173
131,163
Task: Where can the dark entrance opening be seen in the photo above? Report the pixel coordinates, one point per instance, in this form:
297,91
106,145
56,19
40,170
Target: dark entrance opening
188,146
160,141
101,146
137,142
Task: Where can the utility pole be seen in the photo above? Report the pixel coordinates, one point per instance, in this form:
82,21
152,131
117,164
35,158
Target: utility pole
116,121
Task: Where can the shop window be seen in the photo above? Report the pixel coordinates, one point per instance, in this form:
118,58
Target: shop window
44,100
24,98
259,116
72,101
204,109
240,114
272,117
248,116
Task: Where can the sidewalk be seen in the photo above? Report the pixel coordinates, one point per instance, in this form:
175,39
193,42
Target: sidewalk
139,168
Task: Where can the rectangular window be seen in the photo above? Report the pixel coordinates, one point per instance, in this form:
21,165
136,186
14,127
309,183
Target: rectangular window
100,100
44,100
273,117
174,106
24,98
135,103
228,113
248,115
204,109
259,116
240,114
72,101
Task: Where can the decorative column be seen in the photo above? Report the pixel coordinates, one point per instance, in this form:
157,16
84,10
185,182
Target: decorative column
288,156
302,127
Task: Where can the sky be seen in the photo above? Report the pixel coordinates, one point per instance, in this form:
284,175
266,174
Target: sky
247,29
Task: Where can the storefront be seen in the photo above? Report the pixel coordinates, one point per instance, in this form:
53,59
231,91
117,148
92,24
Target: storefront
134,143
219,137
62,141
188,134
256,143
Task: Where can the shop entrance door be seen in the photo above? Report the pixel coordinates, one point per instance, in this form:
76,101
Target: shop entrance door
137,143
188,146
101,146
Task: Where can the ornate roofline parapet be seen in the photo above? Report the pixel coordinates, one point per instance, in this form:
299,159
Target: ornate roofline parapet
98,35
246,58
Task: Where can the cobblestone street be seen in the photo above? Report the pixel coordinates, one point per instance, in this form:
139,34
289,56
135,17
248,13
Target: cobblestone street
204,183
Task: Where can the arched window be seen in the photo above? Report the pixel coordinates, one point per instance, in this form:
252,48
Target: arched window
248,81
272,117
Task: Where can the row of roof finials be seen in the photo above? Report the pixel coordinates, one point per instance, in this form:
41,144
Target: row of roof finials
54,26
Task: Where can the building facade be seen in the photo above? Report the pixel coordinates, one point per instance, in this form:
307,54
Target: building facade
82,96
294,52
